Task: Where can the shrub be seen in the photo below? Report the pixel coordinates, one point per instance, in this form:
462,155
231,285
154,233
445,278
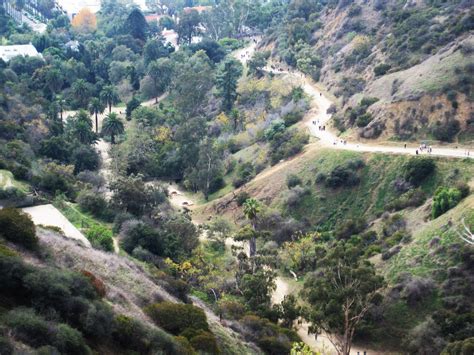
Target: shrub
418,169
70,341
96,283
294,196
381,69
92,178
341,176
446,131
18,227
6,348
231,309
241,197
100,237
462,347
363,120
444,199
274,345
350,227
176,318
292,117
293,180
92,202
137,233
245,172
28,327
417,289
205,342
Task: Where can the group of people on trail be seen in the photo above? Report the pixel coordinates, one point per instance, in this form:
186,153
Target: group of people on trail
423,147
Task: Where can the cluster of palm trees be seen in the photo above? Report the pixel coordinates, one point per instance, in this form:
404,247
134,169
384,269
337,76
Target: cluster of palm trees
112,125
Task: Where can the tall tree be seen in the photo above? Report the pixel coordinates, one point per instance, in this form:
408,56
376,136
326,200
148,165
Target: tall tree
109,96
226,81
136,25
81,91
96,107
188,26
341,294
209,168
85,21
251,210
54,80
112,126
160,71
80,128
193,80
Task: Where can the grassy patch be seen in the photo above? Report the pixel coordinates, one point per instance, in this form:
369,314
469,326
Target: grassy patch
8,180
326,207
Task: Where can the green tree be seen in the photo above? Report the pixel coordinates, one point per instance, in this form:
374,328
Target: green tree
444,199
209,168
257,288
112,126
109,96
251,209
54,80
80,128
257,62
136,25
96,107
154,49
160,71
193,80
341,294
227,77
81,92
17,226
188,26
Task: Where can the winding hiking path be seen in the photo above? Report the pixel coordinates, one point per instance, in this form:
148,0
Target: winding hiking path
318,116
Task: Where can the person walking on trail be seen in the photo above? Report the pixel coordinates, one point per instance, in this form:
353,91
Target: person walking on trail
405,146
416,152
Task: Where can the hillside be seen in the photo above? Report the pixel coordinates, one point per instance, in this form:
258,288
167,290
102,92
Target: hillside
284,177
414,57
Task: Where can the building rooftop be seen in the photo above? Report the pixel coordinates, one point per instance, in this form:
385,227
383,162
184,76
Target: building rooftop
8,52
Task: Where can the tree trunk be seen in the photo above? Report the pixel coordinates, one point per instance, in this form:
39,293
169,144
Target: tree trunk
110,107
252,246
96,123
112,138
156,99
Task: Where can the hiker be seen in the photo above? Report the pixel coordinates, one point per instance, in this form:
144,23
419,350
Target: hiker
405,146
416,152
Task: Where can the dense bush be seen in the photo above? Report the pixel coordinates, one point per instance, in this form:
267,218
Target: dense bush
137,233
241,197
418,169
245,172
6,347
18,227
287,143
341,176
176,318
462,347
444,199
92,202
100,237
29,327
446,131
381,69
293,180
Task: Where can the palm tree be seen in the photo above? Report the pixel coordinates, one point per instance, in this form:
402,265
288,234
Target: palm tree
112,126
109,96
81,91
96,107
251,209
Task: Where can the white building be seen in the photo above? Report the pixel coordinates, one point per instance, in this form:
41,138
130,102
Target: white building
8,52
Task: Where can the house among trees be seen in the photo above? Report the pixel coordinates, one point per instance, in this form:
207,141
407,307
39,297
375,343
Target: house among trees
25,50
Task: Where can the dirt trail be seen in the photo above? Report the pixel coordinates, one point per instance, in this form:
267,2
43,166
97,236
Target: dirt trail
318,117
